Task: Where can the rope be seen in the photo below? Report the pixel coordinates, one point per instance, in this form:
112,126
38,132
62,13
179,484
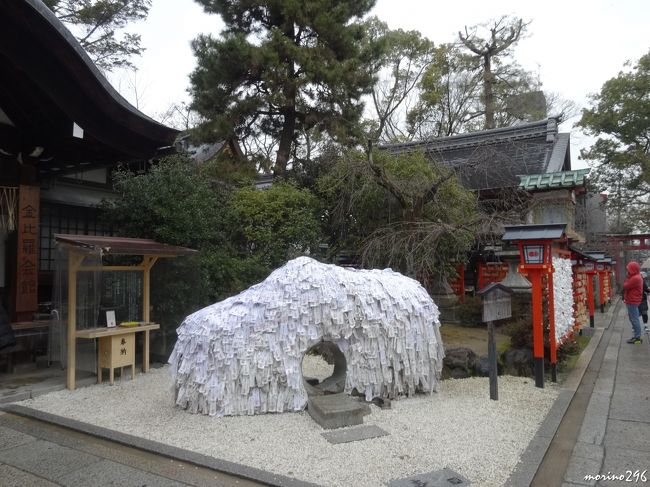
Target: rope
8,205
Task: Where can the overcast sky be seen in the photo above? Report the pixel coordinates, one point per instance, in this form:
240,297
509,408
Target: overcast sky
574,45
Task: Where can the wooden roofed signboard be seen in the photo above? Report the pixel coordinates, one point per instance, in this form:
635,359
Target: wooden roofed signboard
497,302
78,248
122,245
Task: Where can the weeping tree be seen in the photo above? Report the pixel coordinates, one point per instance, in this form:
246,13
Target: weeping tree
97,24
400,211
279,69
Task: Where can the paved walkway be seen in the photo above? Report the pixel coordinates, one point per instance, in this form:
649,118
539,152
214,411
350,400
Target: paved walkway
33,453
613,445
600,423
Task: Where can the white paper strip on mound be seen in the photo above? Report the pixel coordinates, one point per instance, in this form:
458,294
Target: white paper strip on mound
243,355
562,297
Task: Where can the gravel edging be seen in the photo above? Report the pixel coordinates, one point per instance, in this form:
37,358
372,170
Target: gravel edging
458,428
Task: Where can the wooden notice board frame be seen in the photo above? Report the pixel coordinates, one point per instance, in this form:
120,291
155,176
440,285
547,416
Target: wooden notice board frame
81,246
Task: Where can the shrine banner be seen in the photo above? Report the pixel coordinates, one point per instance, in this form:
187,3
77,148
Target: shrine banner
27,251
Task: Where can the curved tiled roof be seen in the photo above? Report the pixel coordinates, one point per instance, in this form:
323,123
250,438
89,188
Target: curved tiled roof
49,85
496,158
562,179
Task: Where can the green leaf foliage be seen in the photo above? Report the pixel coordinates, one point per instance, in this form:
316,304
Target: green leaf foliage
95,24
275,225
620,119
171,203
400,211
281,68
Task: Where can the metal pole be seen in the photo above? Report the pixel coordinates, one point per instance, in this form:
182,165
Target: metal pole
492,360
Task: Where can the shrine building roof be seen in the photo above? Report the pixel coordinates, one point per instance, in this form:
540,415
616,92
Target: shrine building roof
496,158
554,180
57,110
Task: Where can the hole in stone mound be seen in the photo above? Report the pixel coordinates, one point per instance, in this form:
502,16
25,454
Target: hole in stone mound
324,369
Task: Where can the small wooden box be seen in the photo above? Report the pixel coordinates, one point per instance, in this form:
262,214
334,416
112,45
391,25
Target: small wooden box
116,351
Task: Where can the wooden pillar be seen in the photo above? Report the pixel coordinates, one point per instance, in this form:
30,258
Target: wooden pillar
492,360
74,261
590,298
148,262
551,317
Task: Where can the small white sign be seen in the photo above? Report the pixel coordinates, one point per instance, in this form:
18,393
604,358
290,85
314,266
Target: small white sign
110,318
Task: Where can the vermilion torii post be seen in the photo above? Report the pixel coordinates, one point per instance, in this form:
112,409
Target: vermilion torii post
601,286
551,327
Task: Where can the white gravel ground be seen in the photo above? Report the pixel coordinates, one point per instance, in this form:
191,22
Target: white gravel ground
459,427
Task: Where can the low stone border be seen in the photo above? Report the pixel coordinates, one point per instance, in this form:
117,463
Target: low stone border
157,448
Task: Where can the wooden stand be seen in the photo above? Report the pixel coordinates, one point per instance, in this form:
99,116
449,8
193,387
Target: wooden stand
117,348
74,266
116,351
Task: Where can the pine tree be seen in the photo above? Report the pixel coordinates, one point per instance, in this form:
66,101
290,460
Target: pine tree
95,24
282,68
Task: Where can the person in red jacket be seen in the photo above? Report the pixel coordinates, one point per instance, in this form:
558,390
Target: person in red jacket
632,297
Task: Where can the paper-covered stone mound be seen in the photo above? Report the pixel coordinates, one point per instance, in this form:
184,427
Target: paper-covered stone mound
243,355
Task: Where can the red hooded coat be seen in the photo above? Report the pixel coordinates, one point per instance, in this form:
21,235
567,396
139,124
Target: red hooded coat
633,284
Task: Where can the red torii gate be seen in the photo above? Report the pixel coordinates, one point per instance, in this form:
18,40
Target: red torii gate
619,243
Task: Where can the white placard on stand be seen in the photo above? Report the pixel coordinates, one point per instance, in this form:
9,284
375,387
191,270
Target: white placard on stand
110,318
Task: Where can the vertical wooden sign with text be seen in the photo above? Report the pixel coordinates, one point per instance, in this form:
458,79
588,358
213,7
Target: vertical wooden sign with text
27,252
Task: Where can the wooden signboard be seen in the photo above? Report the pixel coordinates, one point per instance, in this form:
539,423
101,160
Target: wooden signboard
27,252
496,304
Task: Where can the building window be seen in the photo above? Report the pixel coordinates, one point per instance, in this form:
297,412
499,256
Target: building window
74,220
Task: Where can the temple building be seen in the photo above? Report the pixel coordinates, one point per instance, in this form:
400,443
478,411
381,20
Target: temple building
63,128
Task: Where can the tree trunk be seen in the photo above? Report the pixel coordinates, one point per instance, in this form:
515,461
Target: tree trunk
286,141
488,92
288,110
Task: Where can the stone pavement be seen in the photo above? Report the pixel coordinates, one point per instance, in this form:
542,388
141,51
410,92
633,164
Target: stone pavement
33,453
613,445
599,427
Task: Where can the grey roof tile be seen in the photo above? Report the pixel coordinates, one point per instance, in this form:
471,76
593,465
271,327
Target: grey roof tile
492,159
534,232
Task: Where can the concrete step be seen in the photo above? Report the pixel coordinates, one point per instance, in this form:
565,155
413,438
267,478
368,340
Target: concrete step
336,410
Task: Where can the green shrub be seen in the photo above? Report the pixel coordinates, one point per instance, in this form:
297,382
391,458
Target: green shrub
470,313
